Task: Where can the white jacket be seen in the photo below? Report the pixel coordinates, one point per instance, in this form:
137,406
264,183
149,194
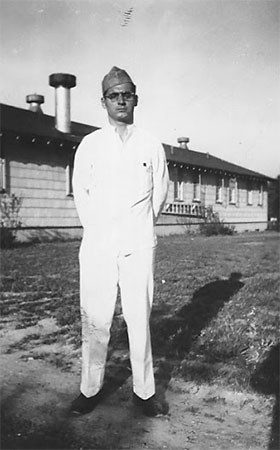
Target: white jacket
120,187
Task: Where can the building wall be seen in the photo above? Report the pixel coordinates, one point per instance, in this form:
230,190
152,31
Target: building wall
246,212
241,210
39,176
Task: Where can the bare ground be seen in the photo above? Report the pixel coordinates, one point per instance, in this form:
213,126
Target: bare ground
37,392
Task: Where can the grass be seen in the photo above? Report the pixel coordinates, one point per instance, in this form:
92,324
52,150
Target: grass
215,315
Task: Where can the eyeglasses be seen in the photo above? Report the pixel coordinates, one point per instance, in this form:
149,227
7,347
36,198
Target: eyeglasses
114,97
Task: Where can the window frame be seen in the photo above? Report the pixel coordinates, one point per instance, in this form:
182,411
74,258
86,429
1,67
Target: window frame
220,184
197,188
260,195
179,186
3,175
178,191
249,193
69,176
232,190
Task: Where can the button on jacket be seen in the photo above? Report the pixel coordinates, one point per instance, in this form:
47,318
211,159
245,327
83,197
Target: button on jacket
120,187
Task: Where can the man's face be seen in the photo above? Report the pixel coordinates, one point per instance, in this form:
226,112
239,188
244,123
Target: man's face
120,108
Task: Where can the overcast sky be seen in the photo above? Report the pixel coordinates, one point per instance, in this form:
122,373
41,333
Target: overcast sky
206,69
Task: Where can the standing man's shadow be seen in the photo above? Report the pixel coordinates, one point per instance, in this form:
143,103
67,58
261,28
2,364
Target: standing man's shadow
204,306
174,333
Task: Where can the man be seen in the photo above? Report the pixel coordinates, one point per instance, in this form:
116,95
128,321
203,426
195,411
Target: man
120,185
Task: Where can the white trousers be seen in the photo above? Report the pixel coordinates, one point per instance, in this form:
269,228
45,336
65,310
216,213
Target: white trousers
101,271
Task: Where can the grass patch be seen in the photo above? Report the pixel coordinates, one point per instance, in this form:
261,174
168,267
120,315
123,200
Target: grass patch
215,315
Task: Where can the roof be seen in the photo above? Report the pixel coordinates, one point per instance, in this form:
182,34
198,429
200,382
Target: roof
23,121
206,161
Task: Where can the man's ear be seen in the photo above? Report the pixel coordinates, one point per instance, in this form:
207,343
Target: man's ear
135,100
103,103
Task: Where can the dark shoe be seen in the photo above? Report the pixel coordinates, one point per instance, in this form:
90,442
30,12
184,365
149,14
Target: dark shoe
84,405
150,407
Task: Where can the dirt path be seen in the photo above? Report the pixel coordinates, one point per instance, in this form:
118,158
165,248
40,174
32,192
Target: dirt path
36,395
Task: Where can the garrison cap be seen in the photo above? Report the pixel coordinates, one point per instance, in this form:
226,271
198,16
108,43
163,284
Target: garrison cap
115,77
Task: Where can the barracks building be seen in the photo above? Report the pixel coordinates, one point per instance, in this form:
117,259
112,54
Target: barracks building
37,154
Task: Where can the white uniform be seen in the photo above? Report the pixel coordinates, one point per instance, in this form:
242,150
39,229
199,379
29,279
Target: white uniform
119,189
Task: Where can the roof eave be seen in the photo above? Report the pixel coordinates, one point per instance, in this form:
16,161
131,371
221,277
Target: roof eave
178,156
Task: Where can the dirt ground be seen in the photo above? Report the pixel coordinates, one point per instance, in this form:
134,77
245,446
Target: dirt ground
36,394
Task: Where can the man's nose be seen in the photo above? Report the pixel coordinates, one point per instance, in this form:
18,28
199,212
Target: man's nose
121,99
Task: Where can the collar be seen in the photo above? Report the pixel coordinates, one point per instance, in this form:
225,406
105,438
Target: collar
129,130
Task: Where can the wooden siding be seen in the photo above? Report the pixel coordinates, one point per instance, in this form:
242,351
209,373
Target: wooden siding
238,212
241,211
38,175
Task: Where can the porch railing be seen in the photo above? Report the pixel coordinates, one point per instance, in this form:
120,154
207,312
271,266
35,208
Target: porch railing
184,209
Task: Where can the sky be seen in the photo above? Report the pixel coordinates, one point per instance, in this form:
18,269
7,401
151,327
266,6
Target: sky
204,69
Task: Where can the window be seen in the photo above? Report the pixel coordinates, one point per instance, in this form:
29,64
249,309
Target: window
179,190
232,191
3,178
260,193
179,186
197,187
249,193
219,190
69,176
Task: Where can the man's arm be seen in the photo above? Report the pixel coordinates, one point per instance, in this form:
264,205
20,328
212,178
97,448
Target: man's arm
160,180
81,181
